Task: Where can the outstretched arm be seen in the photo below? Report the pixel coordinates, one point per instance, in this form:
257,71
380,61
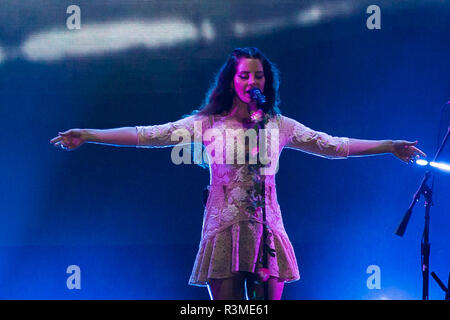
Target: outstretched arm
163,135
74,138
303,138
125,136
404,150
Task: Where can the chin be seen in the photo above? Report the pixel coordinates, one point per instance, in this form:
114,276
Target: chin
245,99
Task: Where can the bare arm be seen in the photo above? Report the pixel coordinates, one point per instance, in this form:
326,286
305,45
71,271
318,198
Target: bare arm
125,136
359,147
74,138
404,150
140,136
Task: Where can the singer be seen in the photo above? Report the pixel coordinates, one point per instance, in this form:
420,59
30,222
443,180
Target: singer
230,256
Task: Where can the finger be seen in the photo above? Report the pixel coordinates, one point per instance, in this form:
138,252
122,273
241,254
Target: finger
407,144
63,146
423,154
413,151
402,158
56,139
60,144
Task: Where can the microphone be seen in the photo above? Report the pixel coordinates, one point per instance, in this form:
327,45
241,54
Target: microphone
257,96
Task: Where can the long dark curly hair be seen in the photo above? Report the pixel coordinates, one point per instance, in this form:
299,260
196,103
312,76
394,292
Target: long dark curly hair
219,97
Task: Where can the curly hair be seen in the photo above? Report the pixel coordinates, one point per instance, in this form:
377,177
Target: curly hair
219,97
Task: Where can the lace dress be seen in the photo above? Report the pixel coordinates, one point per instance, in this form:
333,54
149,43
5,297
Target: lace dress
231,234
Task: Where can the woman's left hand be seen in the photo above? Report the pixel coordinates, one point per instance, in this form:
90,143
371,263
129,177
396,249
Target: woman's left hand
406,151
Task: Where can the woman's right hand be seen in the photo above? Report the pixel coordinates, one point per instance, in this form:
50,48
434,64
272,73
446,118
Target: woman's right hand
70,139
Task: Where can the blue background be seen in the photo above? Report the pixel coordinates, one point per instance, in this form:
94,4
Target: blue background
131,219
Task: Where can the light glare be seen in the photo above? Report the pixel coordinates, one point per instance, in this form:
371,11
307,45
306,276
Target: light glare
422,162
94,39
440,165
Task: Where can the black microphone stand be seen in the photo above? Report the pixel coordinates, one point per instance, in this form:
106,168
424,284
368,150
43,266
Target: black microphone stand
264,238
267,250
442,285
259,99
427,192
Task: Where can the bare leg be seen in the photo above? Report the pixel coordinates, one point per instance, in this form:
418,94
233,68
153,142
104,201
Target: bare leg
227,289
275,287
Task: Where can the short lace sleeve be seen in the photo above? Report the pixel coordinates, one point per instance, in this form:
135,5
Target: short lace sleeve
169,134
300,137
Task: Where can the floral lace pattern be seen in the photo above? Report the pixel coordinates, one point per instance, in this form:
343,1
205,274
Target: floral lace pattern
231,235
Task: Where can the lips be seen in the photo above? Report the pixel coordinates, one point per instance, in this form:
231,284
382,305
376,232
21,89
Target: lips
248,91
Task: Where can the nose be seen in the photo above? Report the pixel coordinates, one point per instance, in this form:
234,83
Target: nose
252,82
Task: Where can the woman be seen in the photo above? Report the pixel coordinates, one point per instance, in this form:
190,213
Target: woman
242,223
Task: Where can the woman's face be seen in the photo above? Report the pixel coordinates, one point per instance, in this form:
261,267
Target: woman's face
249,74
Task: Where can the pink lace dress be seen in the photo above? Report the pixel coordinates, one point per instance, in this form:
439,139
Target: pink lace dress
231,234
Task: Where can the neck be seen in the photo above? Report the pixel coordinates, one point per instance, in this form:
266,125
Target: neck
241,110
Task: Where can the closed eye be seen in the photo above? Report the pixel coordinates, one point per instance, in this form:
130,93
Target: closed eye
246,76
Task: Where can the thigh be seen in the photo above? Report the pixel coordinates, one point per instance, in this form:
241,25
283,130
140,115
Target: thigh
255,288
227,289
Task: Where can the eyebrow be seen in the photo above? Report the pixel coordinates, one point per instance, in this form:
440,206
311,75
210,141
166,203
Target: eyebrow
249,71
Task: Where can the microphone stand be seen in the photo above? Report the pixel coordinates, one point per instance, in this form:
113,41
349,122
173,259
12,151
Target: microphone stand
264,261
264,239
427,192
443,287
259,100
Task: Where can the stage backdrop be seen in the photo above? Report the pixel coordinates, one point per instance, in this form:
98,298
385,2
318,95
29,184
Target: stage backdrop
105,222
